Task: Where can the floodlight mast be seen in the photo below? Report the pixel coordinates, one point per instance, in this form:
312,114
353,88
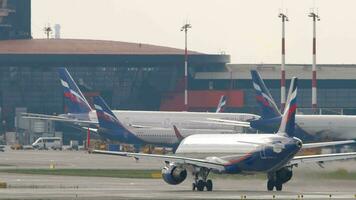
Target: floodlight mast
185,28
315,18
283,73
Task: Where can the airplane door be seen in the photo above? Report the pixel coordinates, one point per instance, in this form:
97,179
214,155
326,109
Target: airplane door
266,152
263,152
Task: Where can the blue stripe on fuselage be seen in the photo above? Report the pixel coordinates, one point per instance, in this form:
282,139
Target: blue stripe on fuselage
263,160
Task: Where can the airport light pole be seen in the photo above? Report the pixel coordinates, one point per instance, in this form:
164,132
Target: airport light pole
315,18
283,73
185,28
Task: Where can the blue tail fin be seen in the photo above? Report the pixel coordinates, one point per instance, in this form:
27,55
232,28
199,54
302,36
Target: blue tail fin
264,98
288,120
222,104
73,97
111,123
106,117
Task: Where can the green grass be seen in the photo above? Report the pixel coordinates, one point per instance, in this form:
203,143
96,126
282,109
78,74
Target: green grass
115,173
155,174
6,165
339,174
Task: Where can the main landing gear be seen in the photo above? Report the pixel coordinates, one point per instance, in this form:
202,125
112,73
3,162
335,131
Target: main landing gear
201,181
278,178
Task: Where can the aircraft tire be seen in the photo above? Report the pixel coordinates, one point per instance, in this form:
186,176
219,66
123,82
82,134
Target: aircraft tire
279,186
194,186
209,185
270,185
200,185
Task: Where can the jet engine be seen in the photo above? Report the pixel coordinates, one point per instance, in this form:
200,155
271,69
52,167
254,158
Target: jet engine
284,174
173,174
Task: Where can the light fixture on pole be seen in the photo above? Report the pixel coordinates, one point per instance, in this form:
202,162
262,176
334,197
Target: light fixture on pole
315,18
185,28
283,73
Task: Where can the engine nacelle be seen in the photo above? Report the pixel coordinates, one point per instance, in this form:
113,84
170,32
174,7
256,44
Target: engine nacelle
173,174
284,174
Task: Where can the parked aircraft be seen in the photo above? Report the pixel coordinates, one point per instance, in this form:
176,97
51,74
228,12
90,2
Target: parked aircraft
308,127
80,112
273,154
112,128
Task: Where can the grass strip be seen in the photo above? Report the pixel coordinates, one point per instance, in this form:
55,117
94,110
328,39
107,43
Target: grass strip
339,174
114,173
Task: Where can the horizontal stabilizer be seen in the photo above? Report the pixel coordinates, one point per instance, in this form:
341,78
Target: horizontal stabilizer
95,130
56,118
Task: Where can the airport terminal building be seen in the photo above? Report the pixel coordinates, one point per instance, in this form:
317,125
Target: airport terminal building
128,75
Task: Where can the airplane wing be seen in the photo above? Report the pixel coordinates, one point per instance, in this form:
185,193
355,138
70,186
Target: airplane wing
139,126
224,122
324,144
168,158
55,118
321,158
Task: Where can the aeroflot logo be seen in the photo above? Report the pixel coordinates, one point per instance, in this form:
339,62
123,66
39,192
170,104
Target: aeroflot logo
72,95
104,115
261,96
293,104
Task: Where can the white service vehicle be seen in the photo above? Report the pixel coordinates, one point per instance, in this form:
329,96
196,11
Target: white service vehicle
48,143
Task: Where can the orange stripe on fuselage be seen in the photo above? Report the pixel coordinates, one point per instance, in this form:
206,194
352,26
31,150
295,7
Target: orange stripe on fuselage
232,162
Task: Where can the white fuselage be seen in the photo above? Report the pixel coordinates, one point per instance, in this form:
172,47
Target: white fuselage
217,145
168,136
265,151
328,127
157,127
186,120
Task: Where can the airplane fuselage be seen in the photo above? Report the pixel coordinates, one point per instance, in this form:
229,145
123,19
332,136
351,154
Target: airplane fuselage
185,120
328,127
315,127
242,152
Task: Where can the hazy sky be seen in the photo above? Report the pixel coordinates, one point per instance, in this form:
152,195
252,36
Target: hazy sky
248,30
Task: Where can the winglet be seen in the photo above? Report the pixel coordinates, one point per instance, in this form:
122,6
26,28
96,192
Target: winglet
222,104
288,120
178,134
264,98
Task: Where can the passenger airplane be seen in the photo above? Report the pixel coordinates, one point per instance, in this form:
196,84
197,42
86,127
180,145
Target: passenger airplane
111,128
79,111
273,154
308,127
